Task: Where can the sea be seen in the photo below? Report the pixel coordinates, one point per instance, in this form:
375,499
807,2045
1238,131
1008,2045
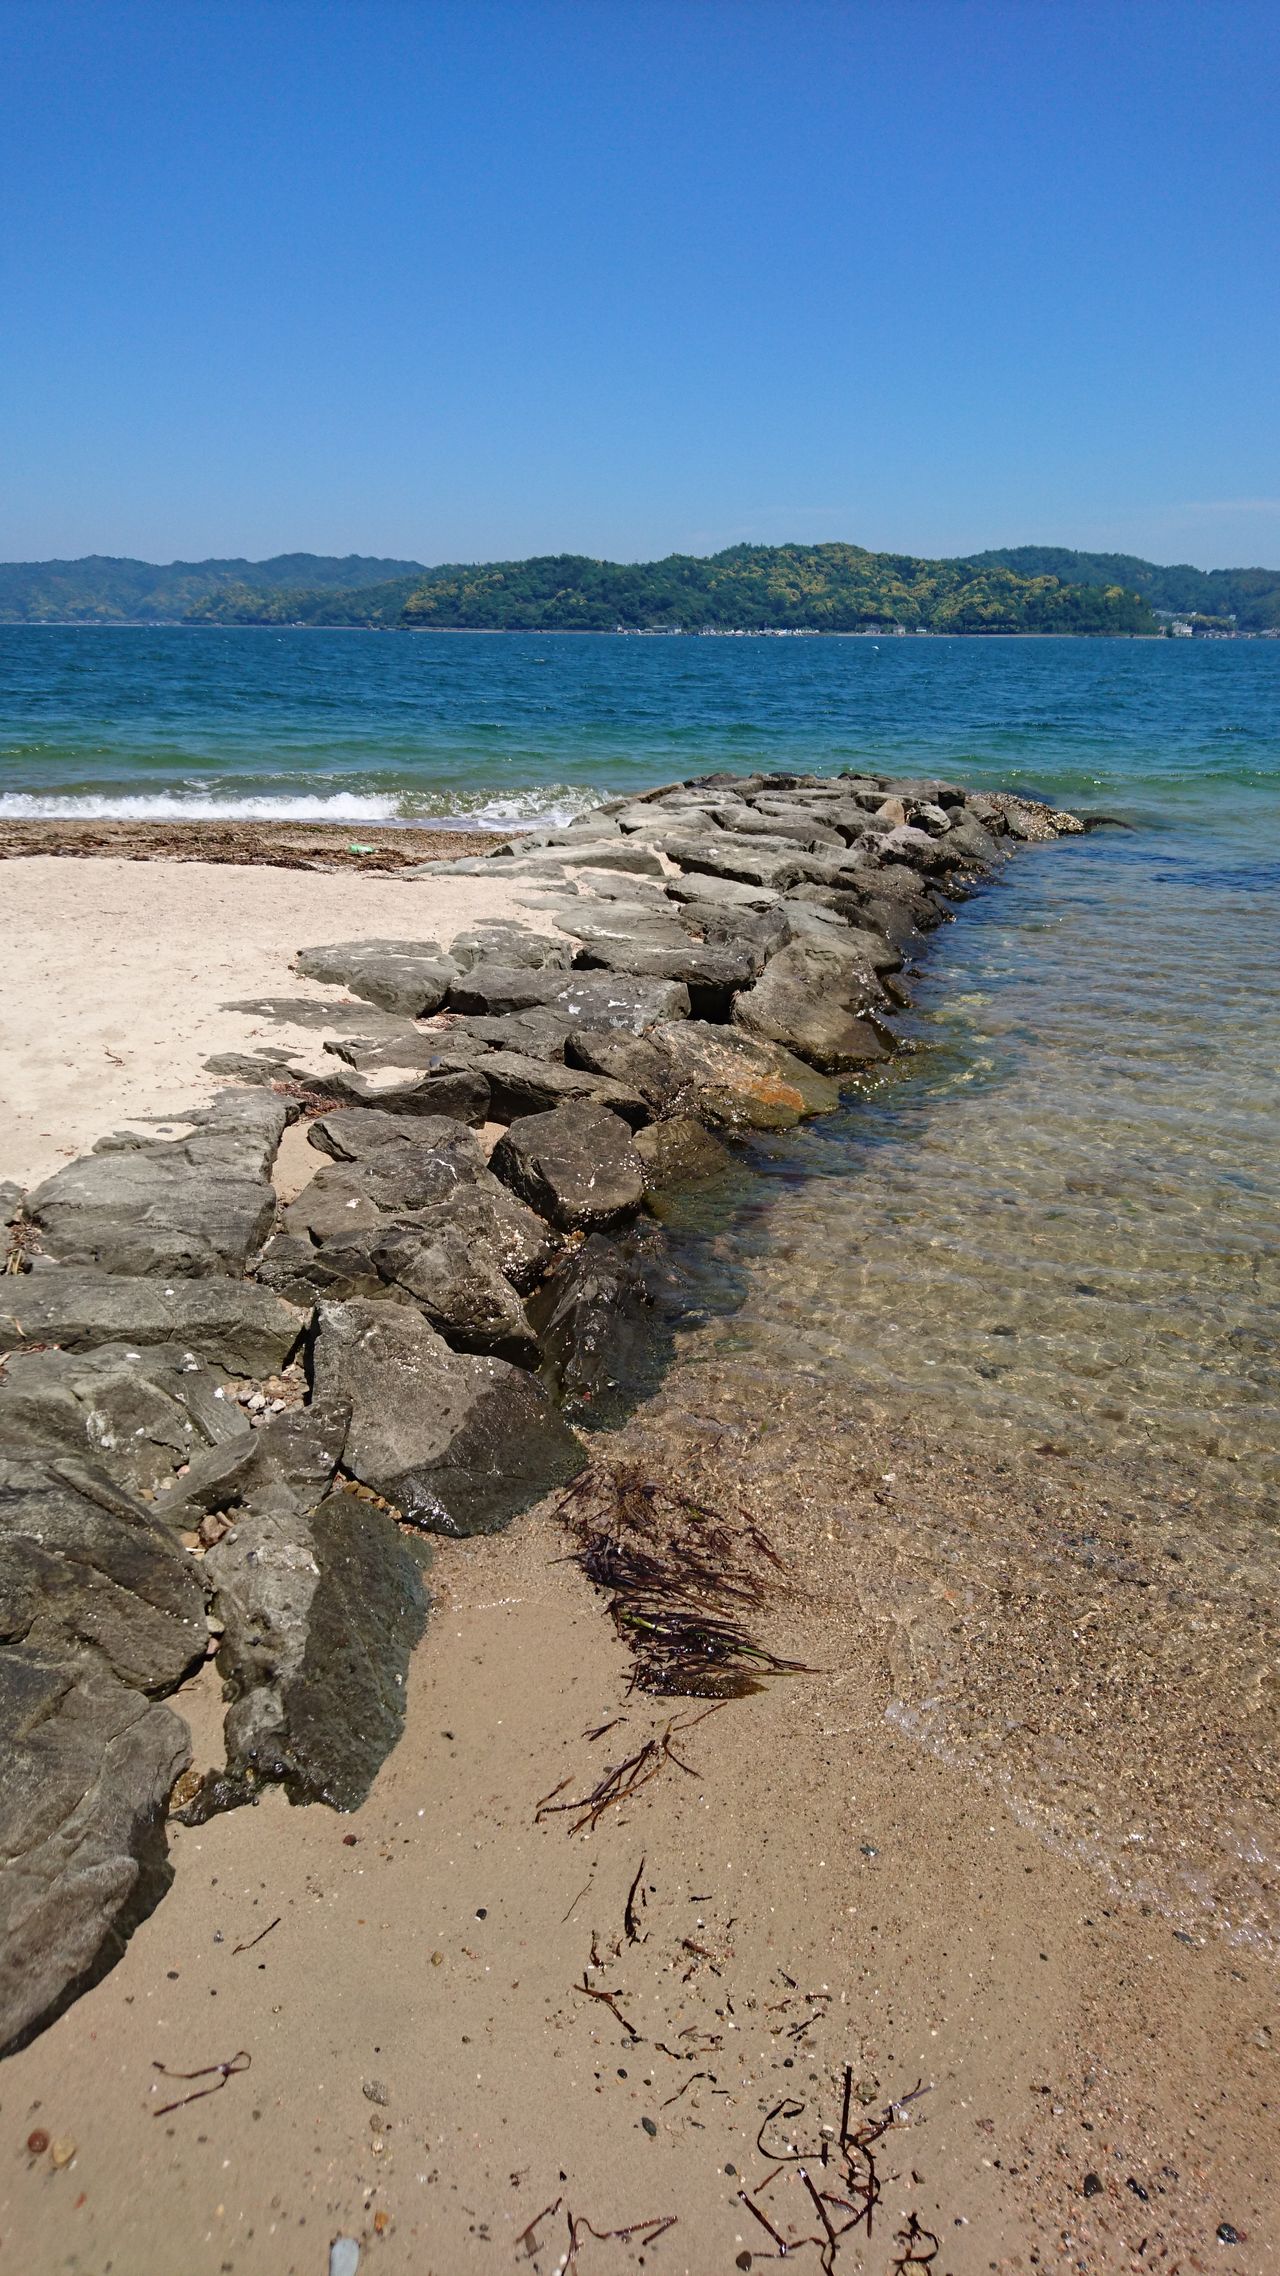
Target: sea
1053,1223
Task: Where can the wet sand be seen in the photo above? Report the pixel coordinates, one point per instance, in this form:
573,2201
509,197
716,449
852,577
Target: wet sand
815,1890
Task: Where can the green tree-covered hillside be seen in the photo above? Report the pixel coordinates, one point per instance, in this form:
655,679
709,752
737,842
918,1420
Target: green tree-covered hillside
1251,596
816,588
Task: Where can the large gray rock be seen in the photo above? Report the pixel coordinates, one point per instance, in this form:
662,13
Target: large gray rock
460,1092
502,941
231,1323
733,1080
711,973
457,1283
723,892
519,1086
407,1049
536,1034
576,1166
188,1206
320,1611
787,1011
733,857
489,990
83,1566
785,825
812,998
635,1062
140,1413
459,1444
618,999
418,1144
89,1767
407,976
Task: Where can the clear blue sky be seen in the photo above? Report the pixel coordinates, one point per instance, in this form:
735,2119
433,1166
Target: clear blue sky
453,279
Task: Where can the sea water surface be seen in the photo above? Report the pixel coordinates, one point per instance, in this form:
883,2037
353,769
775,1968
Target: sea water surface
1052,1223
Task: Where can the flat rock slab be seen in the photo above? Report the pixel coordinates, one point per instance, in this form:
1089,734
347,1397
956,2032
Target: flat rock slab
736,858
461,1092
459,1444
407,976
89,1767
489,990
321,1612
140,1413
577,1166
194,1205
83,1566
231,1323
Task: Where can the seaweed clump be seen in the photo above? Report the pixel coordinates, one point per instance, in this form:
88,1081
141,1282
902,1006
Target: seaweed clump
680,1578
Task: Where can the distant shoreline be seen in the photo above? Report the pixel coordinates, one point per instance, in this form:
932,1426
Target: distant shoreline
578,632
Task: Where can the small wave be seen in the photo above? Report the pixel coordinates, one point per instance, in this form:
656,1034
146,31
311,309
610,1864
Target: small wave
553,805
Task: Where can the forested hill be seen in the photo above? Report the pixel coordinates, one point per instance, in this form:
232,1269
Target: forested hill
101,589
1251,596
814,588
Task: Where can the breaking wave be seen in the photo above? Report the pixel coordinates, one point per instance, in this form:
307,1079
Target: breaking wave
552,805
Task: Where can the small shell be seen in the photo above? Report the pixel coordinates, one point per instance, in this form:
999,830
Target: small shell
62,2152
37,2141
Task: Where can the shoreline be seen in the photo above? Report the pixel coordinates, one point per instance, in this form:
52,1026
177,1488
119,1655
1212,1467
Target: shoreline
554,1669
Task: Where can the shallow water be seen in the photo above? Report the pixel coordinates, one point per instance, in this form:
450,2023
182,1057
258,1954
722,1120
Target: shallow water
1058,1214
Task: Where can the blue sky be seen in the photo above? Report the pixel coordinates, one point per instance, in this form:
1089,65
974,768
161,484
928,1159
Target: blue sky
454,281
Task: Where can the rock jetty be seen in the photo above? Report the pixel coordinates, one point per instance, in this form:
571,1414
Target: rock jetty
225,1425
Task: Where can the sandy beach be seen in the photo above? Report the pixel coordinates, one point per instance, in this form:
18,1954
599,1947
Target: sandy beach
467,2033
121,971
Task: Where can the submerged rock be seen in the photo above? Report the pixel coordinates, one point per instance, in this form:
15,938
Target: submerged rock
602,1337
459,1444
677,1153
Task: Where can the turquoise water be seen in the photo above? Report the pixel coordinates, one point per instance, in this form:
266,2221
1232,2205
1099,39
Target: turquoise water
363,726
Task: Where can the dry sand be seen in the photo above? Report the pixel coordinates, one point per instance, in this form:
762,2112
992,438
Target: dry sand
117,974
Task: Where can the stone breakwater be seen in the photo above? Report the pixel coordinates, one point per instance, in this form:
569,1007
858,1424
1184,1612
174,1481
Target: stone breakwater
226,1423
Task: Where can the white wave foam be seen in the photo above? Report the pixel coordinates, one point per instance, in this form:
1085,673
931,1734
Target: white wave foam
553,807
